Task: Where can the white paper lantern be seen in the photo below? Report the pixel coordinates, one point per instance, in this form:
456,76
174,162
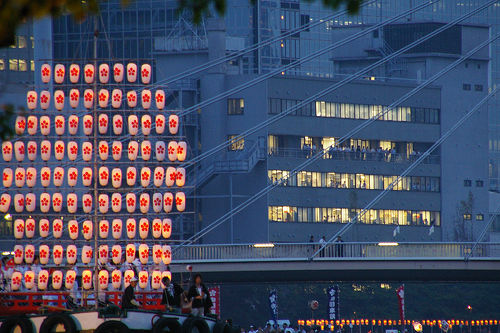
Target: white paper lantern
157,254
44,99
87,254
173,124
156,280
73,124
130,253
19,228
160,150
88,124
44,254
166,231
16,281
43,228
71,253
70,279
32,148
180,201
72,150
59,125
143,228
87,151
171,176
7,151
74,98
103,150
74,73
45,70
57,279
146,99
59,72
57,201
167,254
116,202
145,176
160,123
116,98
133,125
7,177
160,99
103,254
116,178
20,125
103,279
104,73
4,202
18,254
103,123
29,228
133,149
131,202
103,98
181,151
146,123
87,176
29,254
73,229
131,99
159,174
31,99
30,202
118,72
59,150
31,177
59,100
143,279
156,228
157,202
131,176
131,72
103,229
144,253
127,276
32,125
146,73
168,201
146,150
19,150
116,254
117,124
57,228
45,176
72,202
87,228
131,228
43,279
172,151
88,73
87,279
116,279
45,150
117,226
88,98
19,202
44,202
29,279
103,203
57,254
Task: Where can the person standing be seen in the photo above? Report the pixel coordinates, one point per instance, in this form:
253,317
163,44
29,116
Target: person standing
198,293
171,295
322,245
128,299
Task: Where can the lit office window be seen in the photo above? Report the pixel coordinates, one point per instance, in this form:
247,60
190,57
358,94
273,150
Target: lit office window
32,42
236,144
479,217
23,66
32,65
2,64
235,106
21,42
467,217
13,65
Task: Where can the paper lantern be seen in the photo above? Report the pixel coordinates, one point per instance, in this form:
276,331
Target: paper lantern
88,123
57,254
18,254
73,124
157,202
57,228
7,177
88,73
74,98
146,123
59,72
102,121
87,176
72,203
71,253
168,201
44,99
117,228
160,150
173,124
166,274
131,99
87,151
59,124
131,228
19,228
160,124
45,70
43,279
157,253
103,279
59,150
87,279
20,125
43,228
131,72
45,150
146,73
156,280
45,176
32,149
29,279
116,279
103,254
43,254
181,151
117,124
44,202
143,227
144,253
19,202
104,73
70,279
131,202
156,228
131,176
146,150
103,150
167,254
7,151
133,124
127,276
145,176
180,201
159,174
88,98
172,151
74,73
87,254
116,254
72,150
171,176
31,177
4,202
160,99
87,227
29,254
19,150
73,229
16,281
116,98
166,231
133,149
32,125
130,253
118,72
57,279
143,279
103,98
116,178
30,202
146,99
58,176
31,99
57,202
104,228
29,228
116,202
116,150
103,203
59,100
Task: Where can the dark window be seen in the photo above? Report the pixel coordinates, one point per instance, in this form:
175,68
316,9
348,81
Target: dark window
467,183
235,106
304,19
467,217
375,33
479,217
479,183
466,86
478,87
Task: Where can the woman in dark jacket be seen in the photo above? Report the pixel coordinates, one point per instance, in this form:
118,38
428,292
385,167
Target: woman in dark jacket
198,293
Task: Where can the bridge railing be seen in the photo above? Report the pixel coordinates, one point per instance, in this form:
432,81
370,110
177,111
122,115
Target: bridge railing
336,251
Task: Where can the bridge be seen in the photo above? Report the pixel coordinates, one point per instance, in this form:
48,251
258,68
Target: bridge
385,261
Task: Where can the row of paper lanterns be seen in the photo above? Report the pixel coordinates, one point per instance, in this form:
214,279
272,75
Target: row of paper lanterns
104,73
158,254
103,99
104,279
158,176
159,228
175,151
158,201
30,124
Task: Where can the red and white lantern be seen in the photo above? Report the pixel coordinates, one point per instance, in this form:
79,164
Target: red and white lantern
59,72
19,203
131,72
144,253
146,73
44,99
16,281
166,230
57,254
57,201
57,228
29,279
116,150
58,176
103,254
173,124
160,99
32,125
87,176
133,149
46,72
87,151
43,278
130,253
72,202
103,98
131,99
157,254
44,202
45,176
131,228
143,279
87,228
146,99
180,201
160,124
117,226
73,229
19,228
103,203
156,228
157,202
143,227
159,174
116,98
7,151
70,279
127,276
59,100
59,124
133,125
59,150
74,98
131,176
88,73
146,123
29,254
166,274
181,151
146,150
145,176
116,279
87,254
131,202
103,150
45,150
117,124
104,73
74,73
44,252
116,178
30,201
7,177
4,202
167,254
71,253
168,201
172,151
102,121
171,176
72,150
88,124
116,202
32,148
118,72
43,228
73,124
31,99
19,150
88,98
30,229
57,279
20,125
18,254
156,280
103,279
87,279
103,228
116,254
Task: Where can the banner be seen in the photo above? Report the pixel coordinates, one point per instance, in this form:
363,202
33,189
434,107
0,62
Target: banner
214,293
401,297
273,304
333,303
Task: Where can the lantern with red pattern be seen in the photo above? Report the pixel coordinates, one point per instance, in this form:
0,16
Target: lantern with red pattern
116,279
32,125
87,228
168,201
103,254
131,72
131,176
59,100
74,98
102,121
20,125
143,228
71,253
57,279
133,125
145,176
116,202
180,201
43,278
103,203
132,99
103,98
160,99
87,151
117,228
57,201
157,202
104,73
116,98
133,149
46,71
31,99
73,229
89,73
87,176
57,228
117,124
118,72
103,150
146,73
74,73
167,254
160,150
57,254
156,228
130,253
44,99
72,202
44,202
73,124
87,279
45,150
88,98
43,254
103,279
146,123
59,72
166,231
58,176
146,99
87,254
131,228
18,254
144,253
70,279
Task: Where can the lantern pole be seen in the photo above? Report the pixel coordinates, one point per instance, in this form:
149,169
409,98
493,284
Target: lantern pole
94,115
